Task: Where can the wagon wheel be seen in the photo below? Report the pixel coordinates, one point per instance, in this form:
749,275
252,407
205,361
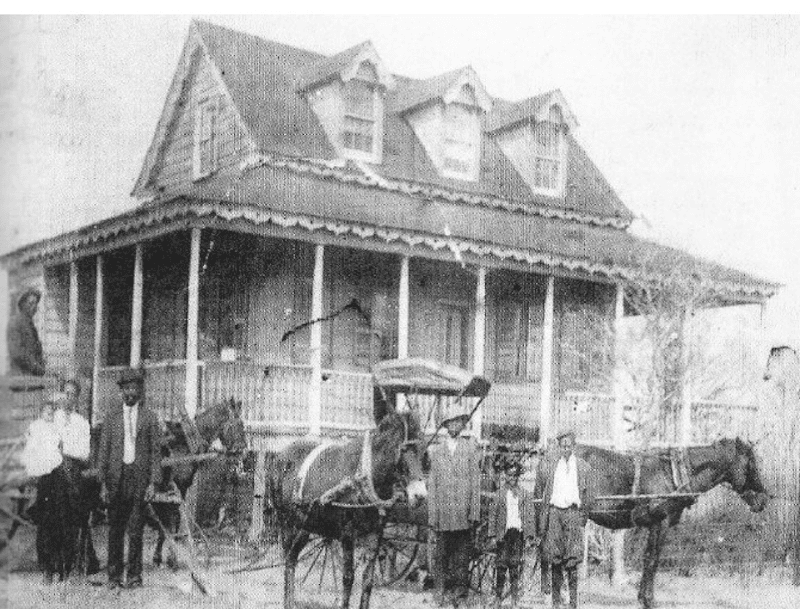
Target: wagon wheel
483,572
319,567
398,551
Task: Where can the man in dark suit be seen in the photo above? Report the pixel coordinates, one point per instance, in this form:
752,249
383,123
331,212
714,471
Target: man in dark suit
130,467
564,486
454,506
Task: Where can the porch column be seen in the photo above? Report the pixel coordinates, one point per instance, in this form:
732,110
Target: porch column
136,309
73,316
479,342
315,389
402,309
98,338
618,433
686,385
546,403
192,314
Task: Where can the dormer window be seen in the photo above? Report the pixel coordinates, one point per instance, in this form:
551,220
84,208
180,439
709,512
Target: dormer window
548,155
359,116
461,141
205,138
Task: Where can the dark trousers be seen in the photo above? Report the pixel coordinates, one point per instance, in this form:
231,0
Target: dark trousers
55,551
509,560
126,510
83,498
453,550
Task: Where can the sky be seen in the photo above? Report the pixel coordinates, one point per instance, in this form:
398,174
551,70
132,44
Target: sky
693,120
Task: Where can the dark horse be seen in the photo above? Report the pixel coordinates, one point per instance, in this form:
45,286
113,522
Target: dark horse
683,472
337,491
221,422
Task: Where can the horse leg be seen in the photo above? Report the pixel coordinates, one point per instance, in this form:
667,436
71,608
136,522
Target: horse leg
348,569
652,554
293,545
369,572
547,588
174,528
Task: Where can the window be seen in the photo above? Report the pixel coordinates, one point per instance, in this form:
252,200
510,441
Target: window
205,138
518,341
456,345
359,116
548,162
461,138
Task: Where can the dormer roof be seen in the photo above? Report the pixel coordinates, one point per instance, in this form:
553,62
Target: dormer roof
537,108
345,66
446,87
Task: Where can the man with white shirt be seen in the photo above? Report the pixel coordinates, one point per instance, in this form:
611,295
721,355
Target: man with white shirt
454,507
512,522
129,462
564,486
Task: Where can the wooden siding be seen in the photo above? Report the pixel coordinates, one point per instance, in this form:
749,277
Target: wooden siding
54,332
174,166
84,346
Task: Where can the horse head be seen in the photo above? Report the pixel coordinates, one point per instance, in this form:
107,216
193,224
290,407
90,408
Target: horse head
783,365
397,448
223,422
743,474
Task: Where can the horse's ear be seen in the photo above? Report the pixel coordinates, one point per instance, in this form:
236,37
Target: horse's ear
382,405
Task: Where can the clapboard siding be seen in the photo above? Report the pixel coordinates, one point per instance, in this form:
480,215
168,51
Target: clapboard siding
54,331
174,165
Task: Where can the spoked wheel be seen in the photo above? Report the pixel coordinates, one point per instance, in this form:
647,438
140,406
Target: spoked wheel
483,573
319,568
398,552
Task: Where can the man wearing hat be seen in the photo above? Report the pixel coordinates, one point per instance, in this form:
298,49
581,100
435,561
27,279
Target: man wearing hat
564,486
25,354
454,506
512,521
130,465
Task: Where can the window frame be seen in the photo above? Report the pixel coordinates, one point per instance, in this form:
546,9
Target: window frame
470,140
210,107
556,157
351,114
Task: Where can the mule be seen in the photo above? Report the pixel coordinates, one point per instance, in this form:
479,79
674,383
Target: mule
338,491
682,472
222,422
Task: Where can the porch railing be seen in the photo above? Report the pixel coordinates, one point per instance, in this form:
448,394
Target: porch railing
589,414
714,420
346,400
513,404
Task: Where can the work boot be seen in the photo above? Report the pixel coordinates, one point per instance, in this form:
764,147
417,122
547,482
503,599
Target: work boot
572,580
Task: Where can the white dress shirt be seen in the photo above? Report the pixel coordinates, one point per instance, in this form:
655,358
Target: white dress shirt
41,454
513,519
75,434
565,483
130,416
452,444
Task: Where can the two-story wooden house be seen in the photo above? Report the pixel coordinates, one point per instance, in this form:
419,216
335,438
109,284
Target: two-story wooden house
281,184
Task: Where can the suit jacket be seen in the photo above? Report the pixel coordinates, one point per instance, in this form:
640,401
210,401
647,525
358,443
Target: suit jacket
147,461
24,347
454,486
527,513
544,488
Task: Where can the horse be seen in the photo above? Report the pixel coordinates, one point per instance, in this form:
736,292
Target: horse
339,491
656,475
222,422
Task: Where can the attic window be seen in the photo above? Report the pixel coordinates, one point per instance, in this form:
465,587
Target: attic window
359,116
548,162
461,141
205,138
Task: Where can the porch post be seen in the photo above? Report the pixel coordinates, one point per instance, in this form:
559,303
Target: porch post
315,388
546,404
136,309
686,385
98,338
403,308
192,314
73,315
618,433
479,342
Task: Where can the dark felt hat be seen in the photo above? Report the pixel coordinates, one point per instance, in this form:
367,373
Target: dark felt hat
464,418
566,431
131,375
29,292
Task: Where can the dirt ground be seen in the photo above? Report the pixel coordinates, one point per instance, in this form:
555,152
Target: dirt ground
21,587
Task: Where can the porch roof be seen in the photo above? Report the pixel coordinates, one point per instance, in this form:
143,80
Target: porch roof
288,198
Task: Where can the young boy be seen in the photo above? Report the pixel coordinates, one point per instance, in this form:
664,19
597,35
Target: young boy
513,520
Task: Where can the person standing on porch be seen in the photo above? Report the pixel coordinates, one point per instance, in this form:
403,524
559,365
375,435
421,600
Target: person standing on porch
130,467
454,507
25,354
564,486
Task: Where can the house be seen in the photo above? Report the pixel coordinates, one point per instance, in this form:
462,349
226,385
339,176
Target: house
282,184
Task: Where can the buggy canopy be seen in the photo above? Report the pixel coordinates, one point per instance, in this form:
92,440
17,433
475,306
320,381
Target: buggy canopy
417,375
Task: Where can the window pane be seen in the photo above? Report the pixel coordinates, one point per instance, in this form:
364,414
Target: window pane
358,100
357,134
460,138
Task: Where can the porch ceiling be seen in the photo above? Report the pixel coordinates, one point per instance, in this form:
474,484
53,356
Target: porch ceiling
269,195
